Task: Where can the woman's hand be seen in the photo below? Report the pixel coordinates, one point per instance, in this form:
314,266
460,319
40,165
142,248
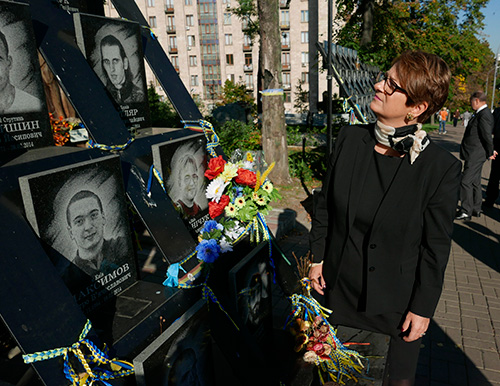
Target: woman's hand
418,325
316,276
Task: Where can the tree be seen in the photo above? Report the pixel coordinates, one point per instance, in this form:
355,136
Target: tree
237,93
301,101
274,141
381,30
162,113
262,18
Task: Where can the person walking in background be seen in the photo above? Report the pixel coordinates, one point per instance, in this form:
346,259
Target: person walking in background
456,117
492,188
476,147
466,117
382,224
443,114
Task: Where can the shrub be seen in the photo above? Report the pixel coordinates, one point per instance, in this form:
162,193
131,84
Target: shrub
238,135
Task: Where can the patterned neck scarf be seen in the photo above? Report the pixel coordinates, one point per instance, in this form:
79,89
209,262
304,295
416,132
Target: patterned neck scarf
407,139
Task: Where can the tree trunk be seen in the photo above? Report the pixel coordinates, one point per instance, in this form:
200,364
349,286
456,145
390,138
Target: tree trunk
367,31
274,141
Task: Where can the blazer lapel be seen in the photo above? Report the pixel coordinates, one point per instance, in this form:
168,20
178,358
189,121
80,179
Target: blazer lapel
363,156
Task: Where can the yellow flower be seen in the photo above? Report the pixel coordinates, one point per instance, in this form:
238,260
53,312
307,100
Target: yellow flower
268,187
255,196
230,171
230,210
239,202
261,201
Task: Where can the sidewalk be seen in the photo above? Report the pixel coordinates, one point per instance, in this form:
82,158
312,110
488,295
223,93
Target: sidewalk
462,345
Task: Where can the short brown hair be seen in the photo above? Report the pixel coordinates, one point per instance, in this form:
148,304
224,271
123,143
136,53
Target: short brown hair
426,78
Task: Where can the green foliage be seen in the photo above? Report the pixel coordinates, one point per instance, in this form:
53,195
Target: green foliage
293,135
247,12
237,93
448,28
301,101
309,165
162,113
238,135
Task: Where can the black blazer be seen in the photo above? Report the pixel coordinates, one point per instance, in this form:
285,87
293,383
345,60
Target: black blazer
477,143
409,243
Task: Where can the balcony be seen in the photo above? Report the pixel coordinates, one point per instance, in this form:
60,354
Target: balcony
248,67
285,25
169,8
170,29
172,50
284,4
287,86
285,46
285,66
247,47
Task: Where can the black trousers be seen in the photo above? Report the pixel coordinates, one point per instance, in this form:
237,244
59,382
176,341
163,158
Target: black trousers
470,187
492,189
402,357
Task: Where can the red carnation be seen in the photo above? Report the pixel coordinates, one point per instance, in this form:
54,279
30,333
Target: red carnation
215,209
246,177
215,167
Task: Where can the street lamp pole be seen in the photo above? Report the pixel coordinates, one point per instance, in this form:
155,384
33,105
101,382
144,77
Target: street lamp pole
494,79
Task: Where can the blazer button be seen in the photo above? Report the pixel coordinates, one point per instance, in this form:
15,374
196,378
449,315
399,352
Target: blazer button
371,269
373,246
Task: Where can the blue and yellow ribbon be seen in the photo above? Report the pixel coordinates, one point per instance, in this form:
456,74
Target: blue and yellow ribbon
91,362
94,145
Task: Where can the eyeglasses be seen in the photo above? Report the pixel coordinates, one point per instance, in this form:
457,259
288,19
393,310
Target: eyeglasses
390,86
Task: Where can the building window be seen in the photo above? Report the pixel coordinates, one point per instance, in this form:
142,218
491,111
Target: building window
188,2
191,41
248,60
193,60
169,4
175,62
285,39
288,98
304,37
170,23
285,19
227,2
230,77
304,16
152,21
229,59
194,80
305,59
249,81
227,18
247,41
229,39
172,43
304,77
151,3
285,60
189,20
286,80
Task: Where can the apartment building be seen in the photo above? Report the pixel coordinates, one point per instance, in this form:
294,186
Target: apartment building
206,44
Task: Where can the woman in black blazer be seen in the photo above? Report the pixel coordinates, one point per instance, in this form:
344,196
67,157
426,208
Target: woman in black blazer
382,224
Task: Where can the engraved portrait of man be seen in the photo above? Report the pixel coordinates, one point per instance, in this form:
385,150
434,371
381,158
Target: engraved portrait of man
13,99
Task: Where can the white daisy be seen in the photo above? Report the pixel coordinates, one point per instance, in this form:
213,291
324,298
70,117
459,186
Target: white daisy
215,189
225,246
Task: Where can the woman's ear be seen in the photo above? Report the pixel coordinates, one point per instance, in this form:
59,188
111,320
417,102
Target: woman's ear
419,109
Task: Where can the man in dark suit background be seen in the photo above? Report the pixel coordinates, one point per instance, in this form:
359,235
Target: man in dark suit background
476,147
492,188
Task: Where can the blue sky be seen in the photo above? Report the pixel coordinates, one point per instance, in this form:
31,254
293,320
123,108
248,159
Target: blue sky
492,24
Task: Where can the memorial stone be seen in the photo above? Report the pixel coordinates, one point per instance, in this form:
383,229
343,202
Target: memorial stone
182,164
114,51
24,122
79,212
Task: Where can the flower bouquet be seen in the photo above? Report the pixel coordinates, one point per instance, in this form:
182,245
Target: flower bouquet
240,198
316,337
